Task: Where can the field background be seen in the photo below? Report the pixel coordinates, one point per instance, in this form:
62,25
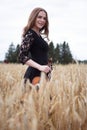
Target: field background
60,104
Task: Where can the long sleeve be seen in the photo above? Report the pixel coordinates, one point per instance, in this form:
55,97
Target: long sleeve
25,47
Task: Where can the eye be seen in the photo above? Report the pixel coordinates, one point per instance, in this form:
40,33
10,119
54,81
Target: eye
44,18
41,17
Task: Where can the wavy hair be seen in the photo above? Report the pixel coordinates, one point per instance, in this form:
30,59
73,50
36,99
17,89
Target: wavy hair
31,22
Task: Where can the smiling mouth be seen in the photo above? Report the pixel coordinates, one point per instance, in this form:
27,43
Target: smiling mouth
41,24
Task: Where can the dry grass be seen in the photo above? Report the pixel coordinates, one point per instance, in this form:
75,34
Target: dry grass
60,104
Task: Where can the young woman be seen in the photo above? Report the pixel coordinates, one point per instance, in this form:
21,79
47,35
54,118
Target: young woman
34,49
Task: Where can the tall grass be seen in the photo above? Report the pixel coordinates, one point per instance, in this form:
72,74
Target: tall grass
60,104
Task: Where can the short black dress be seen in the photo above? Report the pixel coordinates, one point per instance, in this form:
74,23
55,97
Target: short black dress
33,47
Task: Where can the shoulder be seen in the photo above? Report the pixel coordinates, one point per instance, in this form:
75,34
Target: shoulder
29,35
28,38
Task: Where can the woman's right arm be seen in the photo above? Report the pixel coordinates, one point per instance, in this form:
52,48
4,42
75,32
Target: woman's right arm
24,57
26,43
44,68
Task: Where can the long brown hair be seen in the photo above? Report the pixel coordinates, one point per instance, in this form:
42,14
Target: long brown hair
31,22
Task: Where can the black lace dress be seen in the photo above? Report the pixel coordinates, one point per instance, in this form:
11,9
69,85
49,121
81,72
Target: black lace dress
33,47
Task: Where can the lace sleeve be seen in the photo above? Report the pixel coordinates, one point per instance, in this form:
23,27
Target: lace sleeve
25,48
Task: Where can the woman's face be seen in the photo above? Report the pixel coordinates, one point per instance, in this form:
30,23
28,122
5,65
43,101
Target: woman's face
40,20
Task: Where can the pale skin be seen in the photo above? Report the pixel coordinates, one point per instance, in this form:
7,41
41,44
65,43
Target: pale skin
39,23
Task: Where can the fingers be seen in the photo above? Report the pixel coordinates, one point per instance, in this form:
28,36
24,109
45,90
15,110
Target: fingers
47,69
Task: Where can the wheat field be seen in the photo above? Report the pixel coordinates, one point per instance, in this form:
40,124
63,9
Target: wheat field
59,104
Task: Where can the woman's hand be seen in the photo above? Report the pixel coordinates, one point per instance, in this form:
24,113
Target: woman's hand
45,68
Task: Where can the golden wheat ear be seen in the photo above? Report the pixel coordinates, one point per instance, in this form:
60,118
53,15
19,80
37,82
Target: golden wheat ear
26,86
43,77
